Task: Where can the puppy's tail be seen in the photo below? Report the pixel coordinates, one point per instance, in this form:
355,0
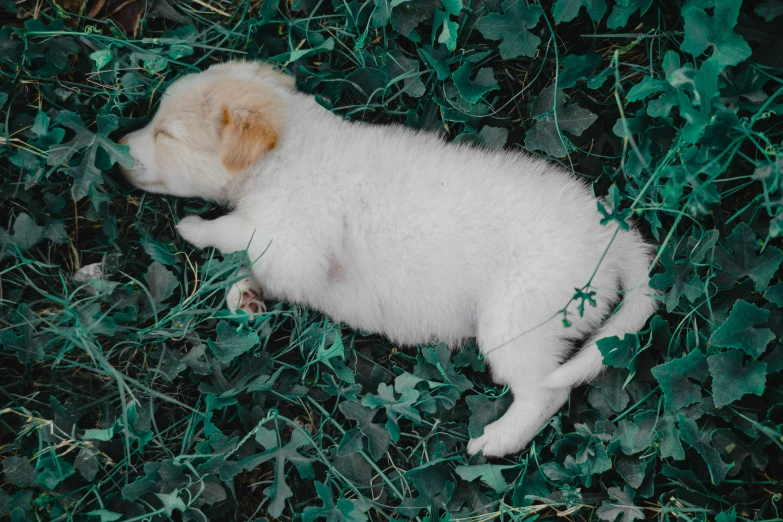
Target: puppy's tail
636,307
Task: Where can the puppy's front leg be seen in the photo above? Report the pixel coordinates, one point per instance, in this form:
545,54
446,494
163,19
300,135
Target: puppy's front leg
229,233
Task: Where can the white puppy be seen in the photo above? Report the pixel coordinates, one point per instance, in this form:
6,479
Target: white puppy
397,232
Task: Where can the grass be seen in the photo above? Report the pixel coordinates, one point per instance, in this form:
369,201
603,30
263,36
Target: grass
137,396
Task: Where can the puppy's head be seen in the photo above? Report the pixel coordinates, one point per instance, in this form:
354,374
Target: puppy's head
209,127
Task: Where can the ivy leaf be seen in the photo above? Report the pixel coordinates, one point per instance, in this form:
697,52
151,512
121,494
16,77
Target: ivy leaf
623,10
582,67
344,511
279,490
740,330
101,57
453,7
675,379
52,470
87,174
619,353
544,135
54,49
433,487
775,294
473,90
448,33
700,440
86,464
703,31
160,281
638,435
612,213
679,278
18,471
770,10
622,506
567,10
232,342
171,501
27,234
394,406
731,379
490,474
485,410
513,29
378,437
737,258
105,515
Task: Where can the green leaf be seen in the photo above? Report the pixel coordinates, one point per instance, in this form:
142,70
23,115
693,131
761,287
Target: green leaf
581,67
160,281
737,258
775,294
394,407
86,464
675,379
490,474
453,7
104,515
232,342
101,57
448,34
622,506
171,502
484,411
52,470
513,29
679,278
551,114
279,491
731,380
700,440
770,10
740,330
637,435
343,511
717,32
378,437
567,10
623,10
473,90
18,471
619,353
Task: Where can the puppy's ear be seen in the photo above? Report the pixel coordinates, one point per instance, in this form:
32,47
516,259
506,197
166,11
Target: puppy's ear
247,133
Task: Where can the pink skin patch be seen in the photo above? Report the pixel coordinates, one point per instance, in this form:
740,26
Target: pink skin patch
251,302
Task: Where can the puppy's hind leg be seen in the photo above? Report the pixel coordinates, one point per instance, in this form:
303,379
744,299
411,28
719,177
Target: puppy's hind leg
246,294
522,363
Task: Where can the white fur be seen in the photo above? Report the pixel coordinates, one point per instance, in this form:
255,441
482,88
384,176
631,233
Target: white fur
397,232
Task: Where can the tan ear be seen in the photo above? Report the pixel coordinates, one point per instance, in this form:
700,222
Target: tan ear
246,135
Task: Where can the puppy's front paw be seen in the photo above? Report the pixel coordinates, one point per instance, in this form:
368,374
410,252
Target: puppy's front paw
246,295
191,228
497,441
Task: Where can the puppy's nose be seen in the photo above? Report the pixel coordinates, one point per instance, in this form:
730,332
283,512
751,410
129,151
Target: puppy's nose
123,140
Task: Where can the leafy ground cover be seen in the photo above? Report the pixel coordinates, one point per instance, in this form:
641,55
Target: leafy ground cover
134,395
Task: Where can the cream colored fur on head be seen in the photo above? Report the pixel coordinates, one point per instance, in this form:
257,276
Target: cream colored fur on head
397,232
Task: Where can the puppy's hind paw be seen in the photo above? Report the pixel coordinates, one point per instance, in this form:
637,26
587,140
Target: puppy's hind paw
246,295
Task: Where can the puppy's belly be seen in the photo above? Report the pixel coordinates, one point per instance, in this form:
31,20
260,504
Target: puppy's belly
399,311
